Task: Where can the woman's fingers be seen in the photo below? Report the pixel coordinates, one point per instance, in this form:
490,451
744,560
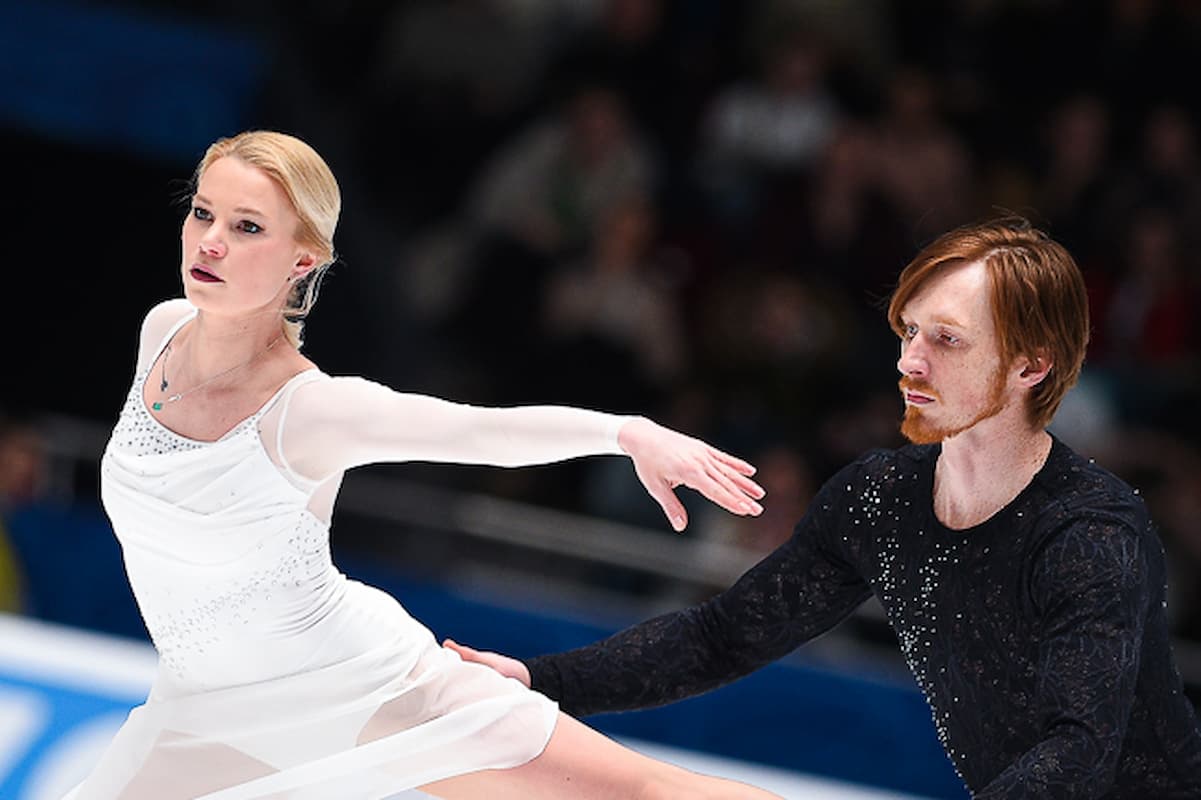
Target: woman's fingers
747,486
744,467
662,492
725,492
665,459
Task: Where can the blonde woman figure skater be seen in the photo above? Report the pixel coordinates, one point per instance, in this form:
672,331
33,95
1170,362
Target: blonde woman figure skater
279,677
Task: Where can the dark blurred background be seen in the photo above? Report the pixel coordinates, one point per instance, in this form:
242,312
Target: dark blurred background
689,209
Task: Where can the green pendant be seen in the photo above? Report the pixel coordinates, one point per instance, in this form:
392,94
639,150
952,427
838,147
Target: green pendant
157,406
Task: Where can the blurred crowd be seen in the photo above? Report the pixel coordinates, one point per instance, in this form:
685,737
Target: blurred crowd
695,209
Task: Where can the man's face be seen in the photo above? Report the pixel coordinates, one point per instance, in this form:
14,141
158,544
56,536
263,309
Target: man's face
952,375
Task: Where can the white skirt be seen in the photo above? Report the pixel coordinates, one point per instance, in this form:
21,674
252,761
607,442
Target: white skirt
400,714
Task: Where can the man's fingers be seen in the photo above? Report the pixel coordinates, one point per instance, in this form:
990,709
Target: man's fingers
466,653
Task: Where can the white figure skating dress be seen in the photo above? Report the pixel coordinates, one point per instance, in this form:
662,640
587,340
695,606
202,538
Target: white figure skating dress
278,676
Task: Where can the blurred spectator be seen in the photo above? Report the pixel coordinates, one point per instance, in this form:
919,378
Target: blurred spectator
626,48
1150,320
20,478
614,329
546,187
844,228
1167,172
858,35
67,553
1072,185
537,203
923,167
761,132
446,77
1147,326
775,346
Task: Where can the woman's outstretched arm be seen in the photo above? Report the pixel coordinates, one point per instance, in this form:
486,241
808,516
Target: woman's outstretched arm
339,423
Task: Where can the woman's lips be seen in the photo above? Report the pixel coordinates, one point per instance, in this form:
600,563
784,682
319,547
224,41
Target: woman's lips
202,274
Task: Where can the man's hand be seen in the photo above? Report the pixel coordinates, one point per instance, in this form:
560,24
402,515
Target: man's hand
509,667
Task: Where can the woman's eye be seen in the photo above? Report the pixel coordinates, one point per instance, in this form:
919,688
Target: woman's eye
950,338
201,213
909,331
246,226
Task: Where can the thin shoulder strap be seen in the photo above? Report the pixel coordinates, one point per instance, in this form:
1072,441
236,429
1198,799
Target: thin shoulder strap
166,340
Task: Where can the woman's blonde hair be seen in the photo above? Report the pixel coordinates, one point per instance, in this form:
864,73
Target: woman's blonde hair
313,191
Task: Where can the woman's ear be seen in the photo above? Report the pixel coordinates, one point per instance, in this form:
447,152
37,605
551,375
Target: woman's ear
305,263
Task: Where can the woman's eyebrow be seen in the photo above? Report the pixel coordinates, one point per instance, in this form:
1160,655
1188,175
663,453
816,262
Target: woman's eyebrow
237,209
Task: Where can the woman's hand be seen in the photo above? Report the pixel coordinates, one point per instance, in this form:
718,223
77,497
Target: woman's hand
509,667
665,459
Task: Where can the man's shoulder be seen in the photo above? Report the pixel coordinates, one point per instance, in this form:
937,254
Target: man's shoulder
1079,481
1075,489
885,469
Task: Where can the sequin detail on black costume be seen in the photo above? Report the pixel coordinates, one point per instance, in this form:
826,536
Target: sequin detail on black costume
1039,638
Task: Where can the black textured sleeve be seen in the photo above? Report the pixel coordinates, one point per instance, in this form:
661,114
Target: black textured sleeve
794,594
1091,586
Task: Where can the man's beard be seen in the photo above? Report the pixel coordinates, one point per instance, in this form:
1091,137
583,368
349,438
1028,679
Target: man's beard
917,427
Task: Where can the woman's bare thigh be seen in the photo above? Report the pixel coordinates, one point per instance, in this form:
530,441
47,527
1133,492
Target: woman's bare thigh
579,762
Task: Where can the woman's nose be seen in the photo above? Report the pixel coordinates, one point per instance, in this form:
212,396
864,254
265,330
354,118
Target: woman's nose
212,247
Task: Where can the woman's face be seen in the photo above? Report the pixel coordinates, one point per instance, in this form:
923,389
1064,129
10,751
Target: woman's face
239,248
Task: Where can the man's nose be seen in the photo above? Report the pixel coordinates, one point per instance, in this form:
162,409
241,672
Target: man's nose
912,361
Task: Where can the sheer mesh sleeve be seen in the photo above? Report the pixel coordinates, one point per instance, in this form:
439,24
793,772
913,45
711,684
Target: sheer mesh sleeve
338,423
798,592
1091,586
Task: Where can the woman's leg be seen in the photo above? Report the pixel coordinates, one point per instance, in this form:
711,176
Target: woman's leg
579,762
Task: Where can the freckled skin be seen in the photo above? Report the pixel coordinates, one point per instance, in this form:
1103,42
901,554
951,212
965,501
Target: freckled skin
950,349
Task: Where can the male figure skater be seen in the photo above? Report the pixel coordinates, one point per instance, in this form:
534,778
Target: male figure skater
1026,584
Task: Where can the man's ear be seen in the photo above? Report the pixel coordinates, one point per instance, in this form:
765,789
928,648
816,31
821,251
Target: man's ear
1033,370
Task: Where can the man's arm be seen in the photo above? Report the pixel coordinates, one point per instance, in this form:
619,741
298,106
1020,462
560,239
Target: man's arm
1092,584
791,596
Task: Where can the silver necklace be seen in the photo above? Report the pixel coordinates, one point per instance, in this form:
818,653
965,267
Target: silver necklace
163,383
